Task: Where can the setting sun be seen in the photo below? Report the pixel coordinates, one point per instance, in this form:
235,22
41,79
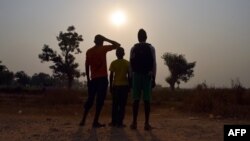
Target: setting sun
118,18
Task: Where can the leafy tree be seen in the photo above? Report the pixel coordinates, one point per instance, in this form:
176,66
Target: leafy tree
180,69
22,78
6,76
2,67
64,66
41,79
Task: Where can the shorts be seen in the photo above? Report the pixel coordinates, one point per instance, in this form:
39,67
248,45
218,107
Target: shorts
141,84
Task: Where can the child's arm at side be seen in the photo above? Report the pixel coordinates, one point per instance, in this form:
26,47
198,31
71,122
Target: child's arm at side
129,80
111,77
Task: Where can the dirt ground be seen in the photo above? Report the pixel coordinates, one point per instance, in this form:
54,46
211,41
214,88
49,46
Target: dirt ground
60,123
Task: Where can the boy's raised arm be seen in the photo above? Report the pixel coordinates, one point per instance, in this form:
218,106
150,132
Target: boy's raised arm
114,43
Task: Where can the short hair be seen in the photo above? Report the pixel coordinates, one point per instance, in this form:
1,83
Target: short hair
98,39
142,35
120,51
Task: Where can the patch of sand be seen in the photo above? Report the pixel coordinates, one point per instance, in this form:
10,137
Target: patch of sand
169,125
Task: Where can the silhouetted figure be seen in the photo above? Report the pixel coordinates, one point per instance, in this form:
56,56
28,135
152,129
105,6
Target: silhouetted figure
119,87
143,67
97,85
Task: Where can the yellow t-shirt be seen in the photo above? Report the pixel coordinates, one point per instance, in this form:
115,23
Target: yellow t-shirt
120,67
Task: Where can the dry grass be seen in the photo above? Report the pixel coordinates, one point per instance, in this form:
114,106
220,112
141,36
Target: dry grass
225,103
62,97
219,102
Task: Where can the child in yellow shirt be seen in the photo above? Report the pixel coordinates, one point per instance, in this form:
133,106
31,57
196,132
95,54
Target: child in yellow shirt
119,87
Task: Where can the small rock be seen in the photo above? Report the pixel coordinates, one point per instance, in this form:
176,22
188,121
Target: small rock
218,117
172,108
54,130
36,135
193,118
66,123
211,116
20,111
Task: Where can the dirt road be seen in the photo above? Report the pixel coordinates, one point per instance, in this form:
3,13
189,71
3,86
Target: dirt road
169,125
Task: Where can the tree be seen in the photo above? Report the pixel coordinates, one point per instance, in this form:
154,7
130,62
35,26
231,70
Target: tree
180,69
41,79
22,78
64,66
6,76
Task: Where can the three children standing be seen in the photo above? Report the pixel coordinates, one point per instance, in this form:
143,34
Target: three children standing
138,73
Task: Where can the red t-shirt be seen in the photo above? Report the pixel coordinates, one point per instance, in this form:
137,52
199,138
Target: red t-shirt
96,59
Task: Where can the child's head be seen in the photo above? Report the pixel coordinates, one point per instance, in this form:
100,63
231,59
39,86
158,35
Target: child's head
120,52
99,39
142,35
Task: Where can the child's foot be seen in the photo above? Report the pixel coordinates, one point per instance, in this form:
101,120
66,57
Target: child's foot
121,126
133,126
111,124
82,123
98,125
148,127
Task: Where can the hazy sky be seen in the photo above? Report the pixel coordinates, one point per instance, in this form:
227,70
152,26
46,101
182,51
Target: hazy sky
214,33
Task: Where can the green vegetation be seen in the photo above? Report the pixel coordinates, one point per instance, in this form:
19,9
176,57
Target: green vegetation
180,69
6,76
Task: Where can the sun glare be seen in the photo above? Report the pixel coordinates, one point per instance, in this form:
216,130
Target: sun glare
118,18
